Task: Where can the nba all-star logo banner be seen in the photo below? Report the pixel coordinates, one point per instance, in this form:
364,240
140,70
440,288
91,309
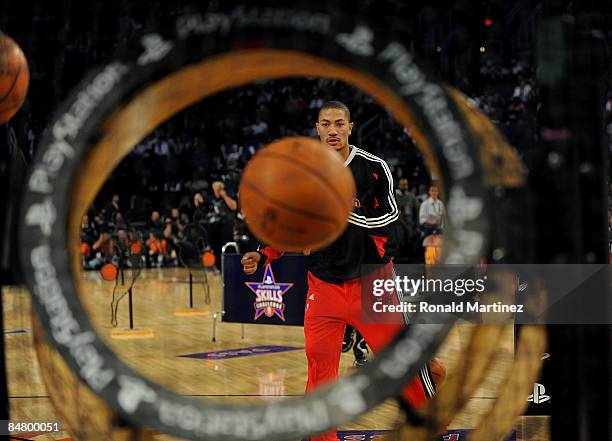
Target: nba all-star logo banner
274,295
269,295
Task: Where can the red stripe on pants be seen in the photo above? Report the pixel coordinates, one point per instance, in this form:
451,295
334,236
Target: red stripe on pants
328,308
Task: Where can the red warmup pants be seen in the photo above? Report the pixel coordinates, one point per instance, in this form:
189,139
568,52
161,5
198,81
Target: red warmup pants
329,307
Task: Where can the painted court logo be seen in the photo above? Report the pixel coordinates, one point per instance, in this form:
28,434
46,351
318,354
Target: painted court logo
269,295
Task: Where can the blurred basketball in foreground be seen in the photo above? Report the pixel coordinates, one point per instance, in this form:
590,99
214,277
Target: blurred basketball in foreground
296,194
14,77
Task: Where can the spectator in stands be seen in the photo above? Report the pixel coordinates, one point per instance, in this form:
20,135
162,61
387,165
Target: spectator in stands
408,206
175,219
155,222
98,225
139,206
102,250
259,129
422,193
112,208
184,219
169,242
119,221
199,211
221,218
155,254
432,211
89,234
122,241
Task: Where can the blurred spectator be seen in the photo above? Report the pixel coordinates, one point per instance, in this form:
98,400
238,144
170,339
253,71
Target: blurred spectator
259,129
169,243
155,251
88,230
408,207
175,219
199,212
155,222
112,208
221,218
119,222
422,193
139,207
432,212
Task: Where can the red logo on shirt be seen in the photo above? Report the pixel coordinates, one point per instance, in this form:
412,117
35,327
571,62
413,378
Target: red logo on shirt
356,203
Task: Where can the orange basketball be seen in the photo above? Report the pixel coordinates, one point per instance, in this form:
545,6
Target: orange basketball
208,259
136,248
438,371
85,249
109,272
14,77
296,194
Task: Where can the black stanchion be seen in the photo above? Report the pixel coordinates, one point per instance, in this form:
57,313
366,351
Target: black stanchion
132,263
190,290
131,309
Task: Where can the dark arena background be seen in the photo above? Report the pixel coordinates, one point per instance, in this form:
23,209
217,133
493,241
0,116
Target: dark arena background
128,312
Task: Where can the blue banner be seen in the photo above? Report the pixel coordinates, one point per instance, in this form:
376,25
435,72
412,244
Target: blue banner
274,295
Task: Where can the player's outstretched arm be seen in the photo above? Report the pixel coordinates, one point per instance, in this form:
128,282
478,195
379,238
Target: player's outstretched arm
250,261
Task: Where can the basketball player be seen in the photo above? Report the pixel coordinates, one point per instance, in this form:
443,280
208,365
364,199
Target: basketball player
334,287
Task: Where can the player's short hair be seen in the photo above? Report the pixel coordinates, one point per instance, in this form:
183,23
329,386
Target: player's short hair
336,105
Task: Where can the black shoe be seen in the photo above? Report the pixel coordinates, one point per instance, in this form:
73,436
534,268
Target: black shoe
361,352
360,362
347,341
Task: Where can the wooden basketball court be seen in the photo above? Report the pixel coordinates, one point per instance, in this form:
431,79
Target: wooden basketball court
230,375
